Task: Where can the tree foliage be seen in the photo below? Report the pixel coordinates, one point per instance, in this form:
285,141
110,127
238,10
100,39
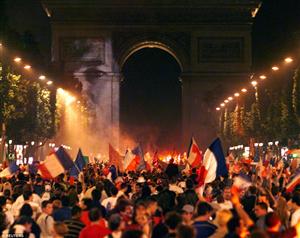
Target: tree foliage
273,114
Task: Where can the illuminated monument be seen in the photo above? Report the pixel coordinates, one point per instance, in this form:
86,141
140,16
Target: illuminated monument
210,40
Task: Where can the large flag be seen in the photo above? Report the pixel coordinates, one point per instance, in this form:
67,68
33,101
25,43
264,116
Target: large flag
131,161
293,183
195,156
10,170
138,152
55,164
213,165
78,165
115,158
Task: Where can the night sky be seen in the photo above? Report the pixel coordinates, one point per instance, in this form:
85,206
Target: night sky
274,37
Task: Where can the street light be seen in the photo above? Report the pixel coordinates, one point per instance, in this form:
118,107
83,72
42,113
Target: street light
42,77
236,94
262,76
275,68
218,109
27,67
230,98
254,83
226,101
222,104
244,90
49,82
17,59
288,60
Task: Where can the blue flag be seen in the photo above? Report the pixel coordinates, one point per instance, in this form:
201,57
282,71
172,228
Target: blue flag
78,164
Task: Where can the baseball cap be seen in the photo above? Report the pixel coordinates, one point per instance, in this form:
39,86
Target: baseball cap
188,208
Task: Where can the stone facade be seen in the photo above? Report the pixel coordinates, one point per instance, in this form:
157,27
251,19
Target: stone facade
210,39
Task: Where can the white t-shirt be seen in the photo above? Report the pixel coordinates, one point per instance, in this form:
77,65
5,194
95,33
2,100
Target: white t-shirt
109,203
46,223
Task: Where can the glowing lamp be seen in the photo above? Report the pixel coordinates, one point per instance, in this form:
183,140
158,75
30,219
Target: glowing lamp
42,77
17,59
288,60
254,83
262,76
27,66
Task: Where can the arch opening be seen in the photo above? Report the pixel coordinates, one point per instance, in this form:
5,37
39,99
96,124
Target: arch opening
150,99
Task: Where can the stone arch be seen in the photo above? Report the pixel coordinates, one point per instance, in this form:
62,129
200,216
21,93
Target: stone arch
150,44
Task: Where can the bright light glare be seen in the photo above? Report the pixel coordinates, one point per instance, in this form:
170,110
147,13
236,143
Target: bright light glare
236,94
69,99
17,59
60,91
218,109
42,77
288,60
49,82
254,83
226,101
27,66
244,90
262,76
275,68
230,98
222,104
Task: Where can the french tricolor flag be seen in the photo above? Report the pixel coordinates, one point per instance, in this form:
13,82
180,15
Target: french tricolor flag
10,170
293,183
213,165
131,161
195,156
55,164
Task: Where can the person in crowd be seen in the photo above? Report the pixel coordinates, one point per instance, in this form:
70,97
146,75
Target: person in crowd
20,228
204,227
187,214
95,229
74,224
116,225
46,221
26,210
64,212
261,210
173,220
110,202
295,207
282,210
60,230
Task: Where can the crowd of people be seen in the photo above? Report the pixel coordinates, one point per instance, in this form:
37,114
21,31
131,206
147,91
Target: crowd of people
163,203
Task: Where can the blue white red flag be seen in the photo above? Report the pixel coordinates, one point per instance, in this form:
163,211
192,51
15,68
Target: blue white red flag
55,164
138,152
195,156
10,170
213,165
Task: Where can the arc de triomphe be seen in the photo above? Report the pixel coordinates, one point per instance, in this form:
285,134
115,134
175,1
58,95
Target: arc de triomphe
210,40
